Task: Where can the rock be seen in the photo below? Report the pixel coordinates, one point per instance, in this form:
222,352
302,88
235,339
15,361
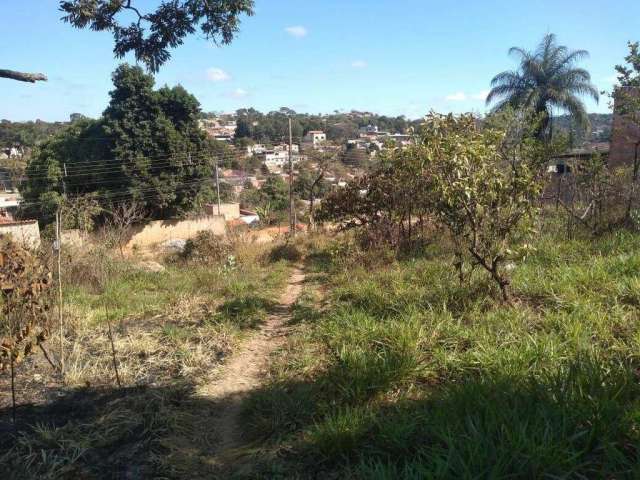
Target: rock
174,245
154,267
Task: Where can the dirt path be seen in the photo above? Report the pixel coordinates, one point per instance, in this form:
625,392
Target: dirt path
244,372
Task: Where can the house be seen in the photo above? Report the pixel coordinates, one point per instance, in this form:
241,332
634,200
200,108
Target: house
560,170
314,138
277,160
359,143
284,147
256,149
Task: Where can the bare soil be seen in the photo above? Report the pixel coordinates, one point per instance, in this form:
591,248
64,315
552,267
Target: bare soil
243,373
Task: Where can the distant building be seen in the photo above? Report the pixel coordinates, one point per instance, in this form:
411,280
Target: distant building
369,129
314,138
220,129
256,149
9,202
284,147
277,160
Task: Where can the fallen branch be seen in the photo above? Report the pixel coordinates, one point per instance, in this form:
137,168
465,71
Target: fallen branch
48,357
113,348
580,218
22,76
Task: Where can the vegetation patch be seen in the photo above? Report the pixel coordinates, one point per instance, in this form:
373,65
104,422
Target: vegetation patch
402,372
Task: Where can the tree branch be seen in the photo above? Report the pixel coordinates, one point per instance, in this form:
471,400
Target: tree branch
23,77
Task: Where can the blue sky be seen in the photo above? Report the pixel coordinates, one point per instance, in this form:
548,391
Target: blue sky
392,57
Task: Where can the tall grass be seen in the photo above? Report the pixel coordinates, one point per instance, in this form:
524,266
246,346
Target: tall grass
421,377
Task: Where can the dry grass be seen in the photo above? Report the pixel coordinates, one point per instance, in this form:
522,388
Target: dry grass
172,331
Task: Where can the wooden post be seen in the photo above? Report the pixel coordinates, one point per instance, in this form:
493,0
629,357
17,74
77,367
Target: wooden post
13,390
292,227
60,322
218,186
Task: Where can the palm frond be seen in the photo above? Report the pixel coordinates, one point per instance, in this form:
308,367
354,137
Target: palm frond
546,79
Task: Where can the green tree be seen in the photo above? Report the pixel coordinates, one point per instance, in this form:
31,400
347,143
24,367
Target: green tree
150,35
146,148
243,128
546,79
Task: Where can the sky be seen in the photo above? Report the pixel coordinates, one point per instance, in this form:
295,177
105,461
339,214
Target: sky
393,57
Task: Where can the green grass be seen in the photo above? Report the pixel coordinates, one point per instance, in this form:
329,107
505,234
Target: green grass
407,374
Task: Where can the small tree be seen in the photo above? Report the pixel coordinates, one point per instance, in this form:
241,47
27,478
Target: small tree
309,183
485,185
121,218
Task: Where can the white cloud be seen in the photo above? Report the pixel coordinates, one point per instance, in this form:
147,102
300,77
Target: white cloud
462,96
238,93
456,97
297,31
481,95
218,75
359,64
612,79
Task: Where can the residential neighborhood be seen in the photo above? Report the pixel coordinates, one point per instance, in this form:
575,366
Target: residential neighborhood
257,240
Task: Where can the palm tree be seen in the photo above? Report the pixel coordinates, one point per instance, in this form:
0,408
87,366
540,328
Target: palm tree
547,79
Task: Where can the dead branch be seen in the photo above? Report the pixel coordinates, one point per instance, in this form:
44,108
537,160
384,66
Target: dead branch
23,76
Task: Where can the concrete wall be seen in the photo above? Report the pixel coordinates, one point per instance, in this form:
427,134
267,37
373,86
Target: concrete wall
160,231
230,211
26,233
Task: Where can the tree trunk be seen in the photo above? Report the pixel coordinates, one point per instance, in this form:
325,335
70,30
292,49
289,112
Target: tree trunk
22,76
312,199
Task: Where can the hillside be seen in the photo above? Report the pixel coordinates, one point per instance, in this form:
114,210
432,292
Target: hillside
600,131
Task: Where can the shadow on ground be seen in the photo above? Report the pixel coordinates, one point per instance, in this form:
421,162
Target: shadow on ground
577,423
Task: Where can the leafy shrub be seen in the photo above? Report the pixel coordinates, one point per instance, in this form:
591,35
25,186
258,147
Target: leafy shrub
207,248
25,299
286,251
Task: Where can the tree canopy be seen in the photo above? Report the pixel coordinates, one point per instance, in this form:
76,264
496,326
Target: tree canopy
146,147
152,34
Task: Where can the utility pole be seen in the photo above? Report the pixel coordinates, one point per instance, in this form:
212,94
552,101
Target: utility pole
292,225
218,186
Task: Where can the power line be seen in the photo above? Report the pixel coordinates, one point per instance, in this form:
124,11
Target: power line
201,160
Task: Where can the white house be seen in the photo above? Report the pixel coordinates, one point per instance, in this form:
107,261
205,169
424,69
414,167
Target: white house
315,138
277,160
256,149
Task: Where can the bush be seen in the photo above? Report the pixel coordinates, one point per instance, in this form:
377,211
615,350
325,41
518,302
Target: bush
285,251
207,248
